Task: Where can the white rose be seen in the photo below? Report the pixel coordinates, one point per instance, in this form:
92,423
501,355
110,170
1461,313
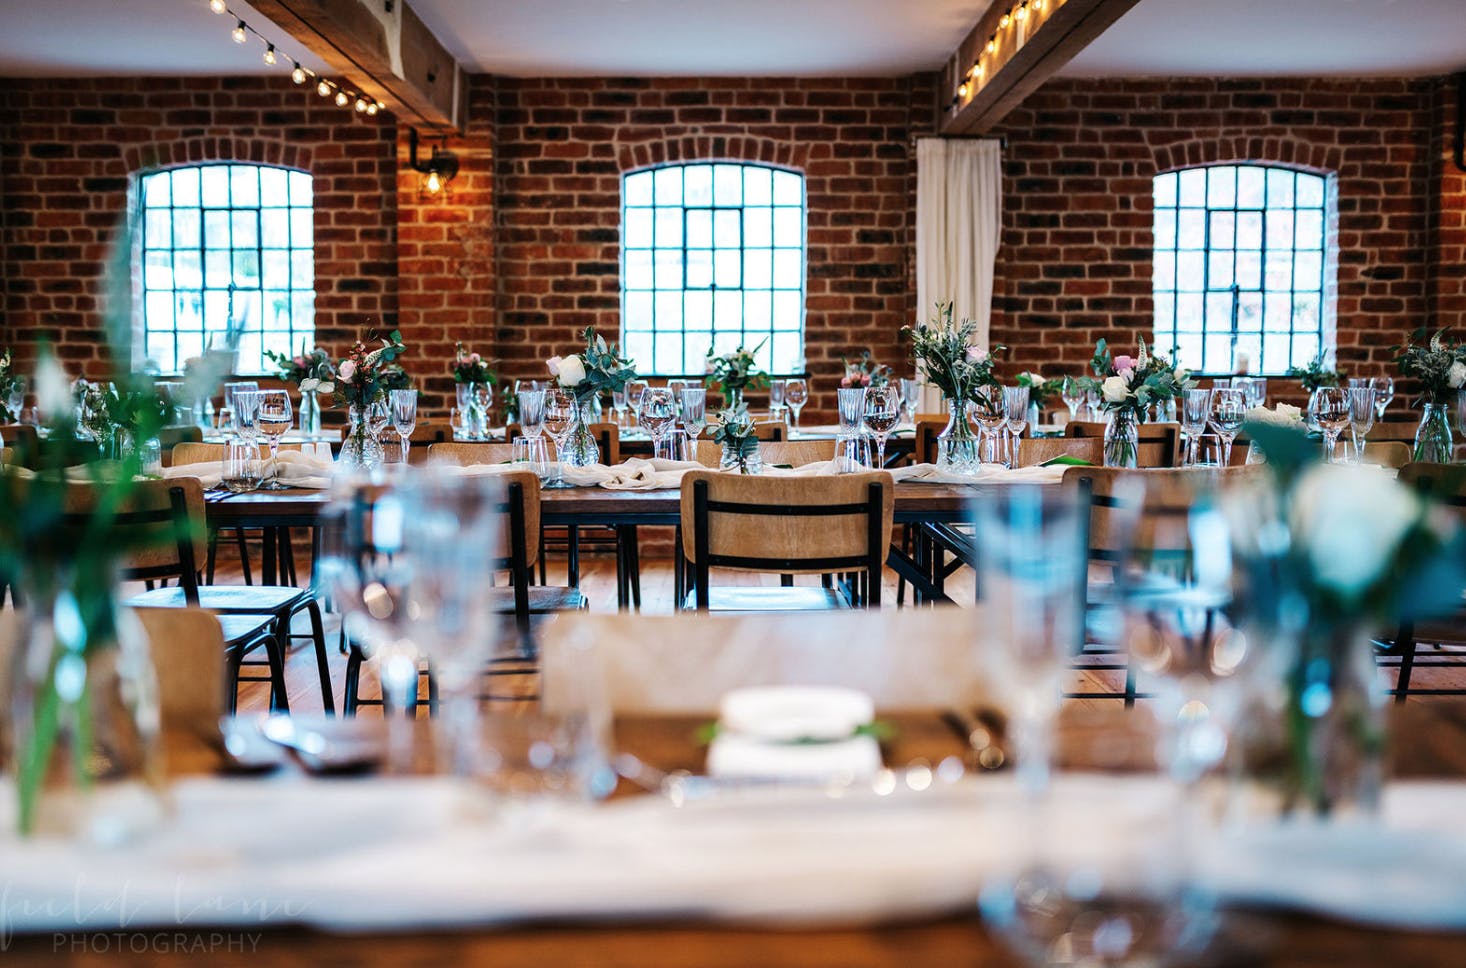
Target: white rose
1351,520
325,386
1115,389
572,371
1456,376
1289,413
554,365
308,384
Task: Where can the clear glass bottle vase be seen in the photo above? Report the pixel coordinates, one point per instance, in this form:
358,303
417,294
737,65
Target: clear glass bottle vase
361,448
1433,443
957,445
1122,438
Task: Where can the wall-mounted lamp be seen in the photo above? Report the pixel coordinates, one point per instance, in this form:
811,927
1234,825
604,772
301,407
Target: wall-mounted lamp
437,171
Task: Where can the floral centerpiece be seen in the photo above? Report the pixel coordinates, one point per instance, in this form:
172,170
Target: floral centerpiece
1325,557
1440,368
363,378
1281,415
1317,373
865,372
734,372
9,381
597,370
312,373
733,427
473,382
1041,392
1128,386
946,358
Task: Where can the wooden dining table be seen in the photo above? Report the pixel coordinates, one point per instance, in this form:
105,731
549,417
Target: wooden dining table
1428,740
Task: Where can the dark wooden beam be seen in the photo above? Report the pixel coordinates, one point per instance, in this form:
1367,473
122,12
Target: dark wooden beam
1027,51
383,48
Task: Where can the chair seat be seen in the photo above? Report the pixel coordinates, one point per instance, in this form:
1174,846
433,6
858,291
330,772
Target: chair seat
737,598
225,599
542,599
243,630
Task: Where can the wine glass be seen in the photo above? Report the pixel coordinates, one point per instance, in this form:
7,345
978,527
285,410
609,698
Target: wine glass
986,406
1195,408
1384,392
776,398
882,413
694,411
1361,416
532,413
273,418
1072,393
1015,408
1329,407
1228,410
796,394
618,406
404,417
657,413
559,422
677,386
634,389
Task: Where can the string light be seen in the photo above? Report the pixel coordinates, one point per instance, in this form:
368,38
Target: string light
962,89
973,78
992,43
1022,12
1003,23
344,97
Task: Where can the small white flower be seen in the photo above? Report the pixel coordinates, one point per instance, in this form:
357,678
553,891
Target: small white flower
325,386
1116,389
1456,376
1350,520
309,383
571,371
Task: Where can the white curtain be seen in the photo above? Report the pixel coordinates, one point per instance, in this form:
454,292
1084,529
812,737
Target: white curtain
958,212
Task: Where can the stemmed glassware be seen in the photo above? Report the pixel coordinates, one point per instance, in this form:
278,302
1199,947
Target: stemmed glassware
634,390
1015,409
776,398
532,424
796,394
910,398
986,407
694,412
1384,392
559,421
273,417
246,413
1361,416
1228,410
882,413
1329,408
852,450
657,413
1072,393
1195,408
677,386
1091,403
618,406
404,417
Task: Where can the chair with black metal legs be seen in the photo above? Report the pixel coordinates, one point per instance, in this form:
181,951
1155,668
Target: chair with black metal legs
1446,484
837,525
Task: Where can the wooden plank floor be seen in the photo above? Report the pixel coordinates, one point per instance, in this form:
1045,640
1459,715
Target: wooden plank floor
598,581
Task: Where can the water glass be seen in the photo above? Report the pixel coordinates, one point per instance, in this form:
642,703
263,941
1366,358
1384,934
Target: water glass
796,395
274,417
532,412
240,468
882,412
986,407
776,398
1361,415
531,452
1072,393
852,409
634,390
910,398
684,446
618,406
1329,409
559,421
1015,409
1384,392
852,454
1228,411
1209,451
404,417
694,410
1195,409
246,413
677,386
657,413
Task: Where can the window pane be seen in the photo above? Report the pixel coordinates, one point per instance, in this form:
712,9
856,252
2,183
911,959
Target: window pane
1165,229
668,307
638,272
1193,187
217,273
1219,269
1279,229
274,187
697,311
727,185
1308,226
669,269
185,226
758,227
215,180
788,269
669,228
275,228
277,272
1223,225
758,268
1250,187
758,186
637,233
245,225
185,186
637,188
157,271
788,189
1190,271
638,311
788,226
1310,191
1221,187
1279,188
1189,312
1249,230
188,269
1165,190
699,268
699,184
158,229
1249,270
155,190
725,230
1191,233
669,186
727,268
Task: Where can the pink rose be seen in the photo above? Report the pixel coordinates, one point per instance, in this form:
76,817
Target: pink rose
474,358
554,364
348,370
1124,363
1127,374
845,381
976,354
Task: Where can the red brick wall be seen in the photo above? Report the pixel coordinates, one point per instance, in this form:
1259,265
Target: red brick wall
1076,258
70,148
1448,231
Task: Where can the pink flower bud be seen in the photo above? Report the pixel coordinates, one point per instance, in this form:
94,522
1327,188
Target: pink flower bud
1124,363
976,354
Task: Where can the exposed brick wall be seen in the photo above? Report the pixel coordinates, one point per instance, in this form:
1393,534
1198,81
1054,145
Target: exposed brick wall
71,146
1075,264
1448,230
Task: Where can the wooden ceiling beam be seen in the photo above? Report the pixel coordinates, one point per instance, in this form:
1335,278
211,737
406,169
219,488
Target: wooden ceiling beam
1019,44
383,48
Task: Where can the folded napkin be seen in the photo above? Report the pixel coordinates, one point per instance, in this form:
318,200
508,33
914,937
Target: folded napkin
293,467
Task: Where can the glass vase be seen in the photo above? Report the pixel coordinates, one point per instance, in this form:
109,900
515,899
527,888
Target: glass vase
472,415
957,444
310,415
1433,436
732,397
1311,735
83,708
742,455
580,448
1122,438
361,448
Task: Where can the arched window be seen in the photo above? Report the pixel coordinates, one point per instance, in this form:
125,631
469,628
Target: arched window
1241,271
224,243
712,256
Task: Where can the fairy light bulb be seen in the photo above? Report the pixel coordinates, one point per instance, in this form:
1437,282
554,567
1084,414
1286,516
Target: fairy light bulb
238,32
962,89
298,75
977,69
1022,13
341,99
270,55
218,6
434,183
373,108
992,43
1007,19
361,105
324,88
1038,5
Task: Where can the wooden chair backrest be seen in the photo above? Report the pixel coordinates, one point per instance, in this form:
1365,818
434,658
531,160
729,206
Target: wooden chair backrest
607,435
523,504
22,444
709,453
1445,483
769,430
796,453
770,534
1394,430
171,437
187,646
166,521
1387,453
466,453
1036,450
196,453
925,451
1159,442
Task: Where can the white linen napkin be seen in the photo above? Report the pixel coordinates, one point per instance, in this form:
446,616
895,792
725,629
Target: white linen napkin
293,467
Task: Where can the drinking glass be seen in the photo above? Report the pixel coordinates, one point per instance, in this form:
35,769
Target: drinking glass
694,411
246,414
1209,451
559,422
618,406
677,386
796,394
532,453
1072,393
1015,408
657,413
1329,408
273,418
240,470
882,413
532,413
1361,415
910,398
1091,402
1228,410
1384,392
776,398
15,402
986,407
1195,408
404,417
233,387
634,389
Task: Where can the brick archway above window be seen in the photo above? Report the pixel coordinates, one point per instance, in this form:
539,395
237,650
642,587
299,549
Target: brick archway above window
196,151
704,147
1317,159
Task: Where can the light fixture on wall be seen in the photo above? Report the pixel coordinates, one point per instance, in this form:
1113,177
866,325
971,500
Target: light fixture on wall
437,171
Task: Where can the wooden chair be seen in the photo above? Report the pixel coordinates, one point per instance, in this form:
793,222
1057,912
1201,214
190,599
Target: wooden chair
164,521
768,431
709,453
925,449
1445,483
1035,450
1387,453
22,444
789,526
171,437
1394,430
466,453
797,453
1159,442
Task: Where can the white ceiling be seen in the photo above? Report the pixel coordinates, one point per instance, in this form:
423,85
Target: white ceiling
756,37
